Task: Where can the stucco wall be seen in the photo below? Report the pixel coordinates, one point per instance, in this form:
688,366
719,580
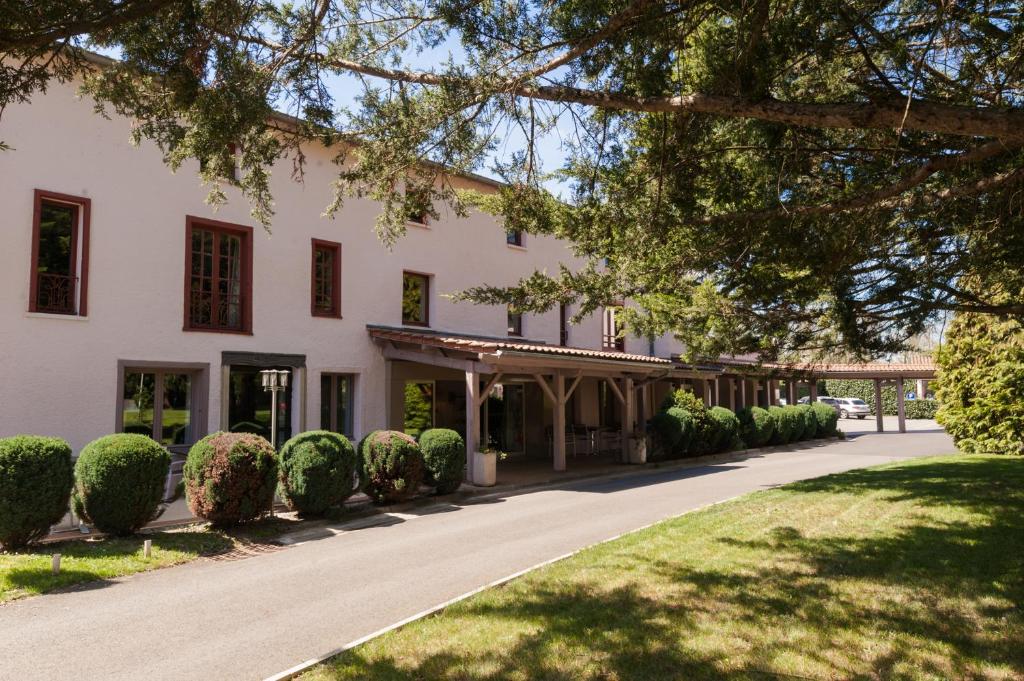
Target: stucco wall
60,373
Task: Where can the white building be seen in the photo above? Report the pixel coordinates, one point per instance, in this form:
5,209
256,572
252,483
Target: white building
130,304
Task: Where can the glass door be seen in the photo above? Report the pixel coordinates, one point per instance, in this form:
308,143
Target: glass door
249,404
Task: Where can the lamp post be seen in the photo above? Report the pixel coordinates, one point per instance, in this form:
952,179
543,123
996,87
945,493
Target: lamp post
274,381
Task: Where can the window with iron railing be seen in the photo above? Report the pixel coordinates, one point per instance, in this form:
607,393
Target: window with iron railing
219,277
60,254
610,331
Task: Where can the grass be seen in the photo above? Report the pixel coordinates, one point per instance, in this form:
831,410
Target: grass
911,570
28,572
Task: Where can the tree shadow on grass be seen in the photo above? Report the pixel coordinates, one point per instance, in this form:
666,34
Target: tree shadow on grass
931,594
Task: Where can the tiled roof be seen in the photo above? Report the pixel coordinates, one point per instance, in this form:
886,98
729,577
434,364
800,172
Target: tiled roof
468,343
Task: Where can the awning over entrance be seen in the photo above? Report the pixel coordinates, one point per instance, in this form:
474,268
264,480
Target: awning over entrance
557,371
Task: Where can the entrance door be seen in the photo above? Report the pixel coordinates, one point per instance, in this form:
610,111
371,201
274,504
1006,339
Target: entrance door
506,418
249,404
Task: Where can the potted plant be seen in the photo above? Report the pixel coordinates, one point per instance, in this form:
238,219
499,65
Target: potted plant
485,467
637,448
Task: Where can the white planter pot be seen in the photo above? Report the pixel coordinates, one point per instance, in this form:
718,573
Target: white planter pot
637,450
485,469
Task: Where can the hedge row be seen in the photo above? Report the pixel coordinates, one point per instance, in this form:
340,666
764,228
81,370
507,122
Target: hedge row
118,480
685,427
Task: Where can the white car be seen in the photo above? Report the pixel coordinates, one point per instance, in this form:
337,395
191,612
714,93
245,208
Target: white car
852,406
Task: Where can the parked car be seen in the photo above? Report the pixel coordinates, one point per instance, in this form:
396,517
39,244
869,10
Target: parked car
852,406
824,399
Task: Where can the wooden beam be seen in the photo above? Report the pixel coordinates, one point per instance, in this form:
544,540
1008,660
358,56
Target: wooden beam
543,383
572,388
879,426
482,397
559,423
613,386
901,408
472,420
436,360
628,415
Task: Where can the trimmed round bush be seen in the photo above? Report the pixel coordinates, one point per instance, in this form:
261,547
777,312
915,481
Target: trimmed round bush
810,421
316,471
674,430
391,466
726,430
756,426
230,477
35,486
827,418
784,424
119,482
797,423
444,459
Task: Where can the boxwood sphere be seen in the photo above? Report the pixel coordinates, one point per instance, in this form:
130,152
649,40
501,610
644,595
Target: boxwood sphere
230,477
391,466
756,426
35,485
827,417
317,471
119,482
726,430
444,456
810,421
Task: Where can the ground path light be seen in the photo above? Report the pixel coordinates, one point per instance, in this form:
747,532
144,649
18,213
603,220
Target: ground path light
274,381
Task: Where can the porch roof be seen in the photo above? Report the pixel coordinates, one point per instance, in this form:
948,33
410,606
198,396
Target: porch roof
498,351
915,366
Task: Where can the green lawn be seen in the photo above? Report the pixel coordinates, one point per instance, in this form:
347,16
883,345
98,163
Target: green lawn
903,571
28,572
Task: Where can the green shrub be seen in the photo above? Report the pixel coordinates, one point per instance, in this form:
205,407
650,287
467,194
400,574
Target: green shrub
921,409
756,426
35,486
704,430
444,457
119,482
727,428
230,477
980,384
316,471
797,423
827,418
391,466
810,421
673,430
785,423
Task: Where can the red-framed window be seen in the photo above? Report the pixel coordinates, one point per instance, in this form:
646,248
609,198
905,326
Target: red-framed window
416,298
326,279
218,276
60,254
610,332
563,325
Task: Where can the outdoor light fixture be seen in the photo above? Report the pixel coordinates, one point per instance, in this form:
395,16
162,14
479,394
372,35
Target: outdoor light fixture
274,381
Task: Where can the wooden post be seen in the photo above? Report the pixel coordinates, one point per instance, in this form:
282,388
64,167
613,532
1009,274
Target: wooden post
730,389
559,422
472,420
879,425
741,384
790,391
814,390
628,410
706,387
922,388
901,410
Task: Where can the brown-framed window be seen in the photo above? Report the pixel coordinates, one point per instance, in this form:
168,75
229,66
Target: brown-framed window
60,254
515,322
416,298
514,237
418,214
218,276
165,402
563,325
326,279
337,402
610,337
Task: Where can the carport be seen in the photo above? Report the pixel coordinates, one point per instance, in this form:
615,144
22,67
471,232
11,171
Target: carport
485,362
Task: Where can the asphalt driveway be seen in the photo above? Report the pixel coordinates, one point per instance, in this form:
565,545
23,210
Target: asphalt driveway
253,618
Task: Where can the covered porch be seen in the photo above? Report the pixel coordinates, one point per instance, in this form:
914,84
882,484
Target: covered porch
566,408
